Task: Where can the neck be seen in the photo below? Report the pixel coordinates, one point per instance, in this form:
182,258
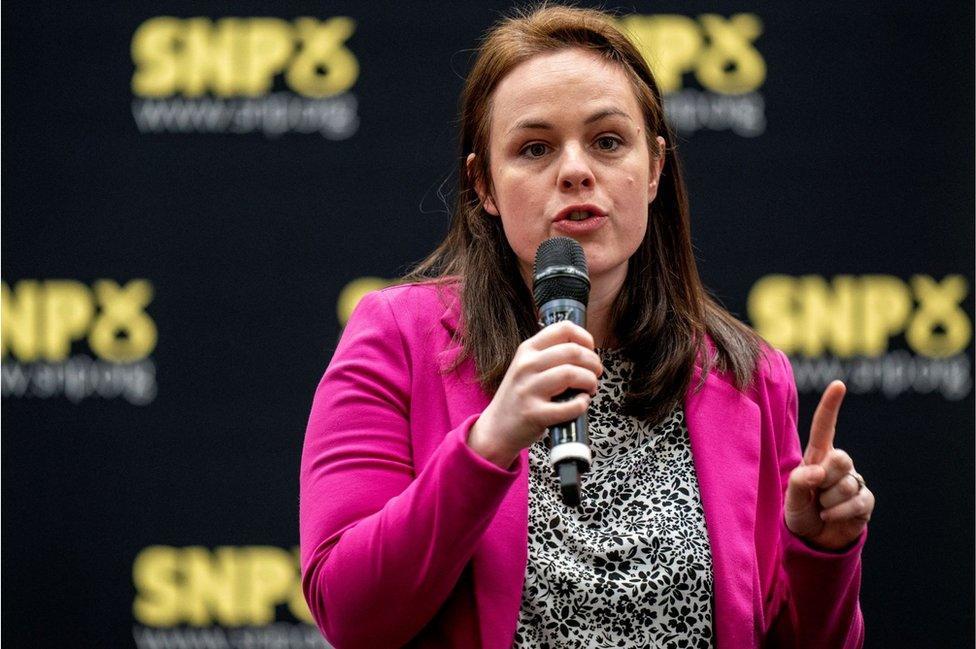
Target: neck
603,293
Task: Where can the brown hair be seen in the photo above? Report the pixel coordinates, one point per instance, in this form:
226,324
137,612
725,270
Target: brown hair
662,314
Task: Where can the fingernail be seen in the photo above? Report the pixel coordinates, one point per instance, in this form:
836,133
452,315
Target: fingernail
823,516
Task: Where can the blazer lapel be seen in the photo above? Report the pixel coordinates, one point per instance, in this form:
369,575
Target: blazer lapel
724,425
498,564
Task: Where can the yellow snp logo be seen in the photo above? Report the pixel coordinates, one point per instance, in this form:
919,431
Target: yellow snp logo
241,57
228,586
42,319
857,315
719,51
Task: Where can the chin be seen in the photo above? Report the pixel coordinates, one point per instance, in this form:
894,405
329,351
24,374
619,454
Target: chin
599,271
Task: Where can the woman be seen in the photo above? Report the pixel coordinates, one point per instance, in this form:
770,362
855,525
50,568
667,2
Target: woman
428,513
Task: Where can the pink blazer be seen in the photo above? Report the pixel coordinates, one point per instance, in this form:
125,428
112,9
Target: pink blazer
408,537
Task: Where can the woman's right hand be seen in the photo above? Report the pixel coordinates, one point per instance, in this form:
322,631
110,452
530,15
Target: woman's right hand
554,360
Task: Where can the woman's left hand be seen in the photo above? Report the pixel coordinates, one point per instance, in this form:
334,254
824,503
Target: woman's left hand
827,503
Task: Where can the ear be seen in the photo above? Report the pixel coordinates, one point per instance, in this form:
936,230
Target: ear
657,165
479,186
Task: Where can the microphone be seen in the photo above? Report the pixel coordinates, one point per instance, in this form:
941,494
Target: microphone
561,286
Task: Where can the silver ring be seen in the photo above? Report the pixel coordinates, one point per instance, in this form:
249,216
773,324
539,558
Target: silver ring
860,480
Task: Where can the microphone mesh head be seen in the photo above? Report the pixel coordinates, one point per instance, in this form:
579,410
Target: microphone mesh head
560,252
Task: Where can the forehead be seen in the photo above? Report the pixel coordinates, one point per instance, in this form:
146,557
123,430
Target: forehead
561,84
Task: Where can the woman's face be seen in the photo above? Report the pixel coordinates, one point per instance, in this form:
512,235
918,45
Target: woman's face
569,157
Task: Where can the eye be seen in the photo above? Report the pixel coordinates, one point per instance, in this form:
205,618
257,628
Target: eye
608,143
534,150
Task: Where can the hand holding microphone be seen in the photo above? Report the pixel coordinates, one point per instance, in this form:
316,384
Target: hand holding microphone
550,380
556,359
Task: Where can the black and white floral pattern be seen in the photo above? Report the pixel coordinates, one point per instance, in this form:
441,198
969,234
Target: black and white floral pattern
632,567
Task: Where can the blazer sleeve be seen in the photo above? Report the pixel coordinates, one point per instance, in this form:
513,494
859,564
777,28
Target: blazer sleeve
383,544
818,590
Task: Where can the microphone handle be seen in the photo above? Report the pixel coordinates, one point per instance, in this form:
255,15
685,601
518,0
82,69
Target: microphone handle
569,453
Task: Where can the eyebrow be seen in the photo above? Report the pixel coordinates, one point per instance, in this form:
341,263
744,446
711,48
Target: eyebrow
595,117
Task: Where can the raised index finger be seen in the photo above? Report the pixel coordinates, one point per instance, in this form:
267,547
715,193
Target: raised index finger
824,423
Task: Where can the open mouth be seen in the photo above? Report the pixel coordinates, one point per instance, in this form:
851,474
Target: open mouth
579,215
584,216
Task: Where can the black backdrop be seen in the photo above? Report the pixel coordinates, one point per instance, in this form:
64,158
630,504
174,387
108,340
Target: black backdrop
189,208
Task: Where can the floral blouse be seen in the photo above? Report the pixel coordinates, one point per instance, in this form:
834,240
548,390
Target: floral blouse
632,567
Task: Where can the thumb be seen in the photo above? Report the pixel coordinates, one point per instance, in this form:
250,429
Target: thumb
800,489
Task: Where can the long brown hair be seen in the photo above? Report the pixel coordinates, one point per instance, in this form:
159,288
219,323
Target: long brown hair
661,316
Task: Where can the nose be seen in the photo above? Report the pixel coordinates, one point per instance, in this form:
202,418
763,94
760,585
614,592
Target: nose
574,170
